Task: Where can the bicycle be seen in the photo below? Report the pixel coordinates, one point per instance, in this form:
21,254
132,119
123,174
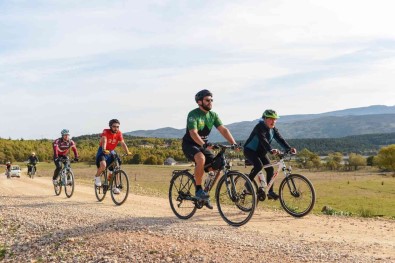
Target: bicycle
111,180
33,169
65,178
235,205
296,192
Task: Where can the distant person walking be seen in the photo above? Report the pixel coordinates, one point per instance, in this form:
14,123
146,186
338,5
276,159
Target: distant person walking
258,146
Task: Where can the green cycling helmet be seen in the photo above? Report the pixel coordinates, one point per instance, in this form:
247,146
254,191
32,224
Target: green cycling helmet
270,114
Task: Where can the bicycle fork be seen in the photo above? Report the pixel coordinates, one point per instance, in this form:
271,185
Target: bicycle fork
231,187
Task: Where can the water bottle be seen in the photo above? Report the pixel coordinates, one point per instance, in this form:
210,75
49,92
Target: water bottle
209,180
262,179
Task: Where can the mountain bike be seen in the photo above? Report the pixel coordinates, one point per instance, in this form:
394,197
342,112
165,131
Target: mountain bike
33,169
296,192
235,205
115,180
65,178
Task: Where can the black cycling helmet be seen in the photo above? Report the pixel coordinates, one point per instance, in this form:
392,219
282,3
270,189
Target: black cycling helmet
114,121
201,94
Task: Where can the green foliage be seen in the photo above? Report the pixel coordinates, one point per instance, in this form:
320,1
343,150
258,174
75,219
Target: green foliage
308,160
333,161
87,145
355,161
386,158
368,144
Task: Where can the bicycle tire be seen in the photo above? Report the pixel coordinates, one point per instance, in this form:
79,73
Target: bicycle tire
69,187
297,195
232,200
33,172
100,191
181,190
58,186
120,181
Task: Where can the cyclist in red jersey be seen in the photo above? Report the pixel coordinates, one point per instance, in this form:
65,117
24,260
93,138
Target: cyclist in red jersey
61,148
108,142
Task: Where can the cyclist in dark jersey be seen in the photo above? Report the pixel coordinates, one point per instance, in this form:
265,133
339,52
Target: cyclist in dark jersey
200,121
31,161
258,145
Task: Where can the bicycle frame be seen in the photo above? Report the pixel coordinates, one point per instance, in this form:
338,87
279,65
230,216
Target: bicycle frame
281,166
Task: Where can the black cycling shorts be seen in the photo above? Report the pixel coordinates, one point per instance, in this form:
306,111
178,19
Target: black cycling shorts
190,149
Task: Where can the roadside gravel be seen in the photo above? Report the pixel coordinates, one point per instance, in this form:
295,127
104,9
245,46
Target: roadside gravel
36,226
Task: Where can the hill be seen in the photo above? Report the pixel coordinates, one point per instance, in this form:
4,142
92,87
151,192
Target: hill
335,124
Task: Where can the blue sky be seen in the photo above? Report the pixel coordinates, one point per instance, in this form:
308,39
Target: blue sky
77,64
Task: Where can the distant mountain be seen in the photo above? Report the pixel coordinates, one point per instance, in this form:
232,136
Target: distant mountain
335,124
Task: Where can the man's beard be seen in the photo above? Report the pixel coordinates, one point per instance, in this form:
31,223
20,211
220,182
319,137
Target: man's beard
206,107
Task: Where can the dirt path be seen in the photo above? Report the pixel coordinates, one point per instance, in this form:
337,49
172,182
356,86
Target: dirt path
37,226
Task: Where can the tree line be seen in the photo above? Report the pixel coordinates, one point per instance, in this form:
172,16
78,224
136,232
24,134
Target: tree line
156,150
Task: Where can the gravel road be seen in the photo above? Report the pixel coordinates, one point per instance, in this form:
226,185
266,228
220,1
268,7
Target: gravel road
37,226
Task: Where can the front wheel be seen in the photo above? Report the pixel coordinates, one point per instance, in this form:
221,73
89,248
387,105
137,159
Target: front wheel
297,195
32,172
182,189
236,199
58,186
119,186
100,191
69,184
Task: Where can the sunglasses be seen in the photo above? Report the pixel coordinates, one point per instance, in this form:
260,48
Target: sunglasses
208,100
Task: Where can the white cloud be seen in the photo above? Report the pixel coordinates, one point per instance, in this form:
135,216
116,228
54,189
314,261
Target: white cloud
142,62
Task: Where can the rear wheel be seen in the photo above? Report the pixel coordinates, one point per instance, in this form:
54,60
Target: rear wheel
297,195
69,186
58,186
181,191
235,205
100,191
119,187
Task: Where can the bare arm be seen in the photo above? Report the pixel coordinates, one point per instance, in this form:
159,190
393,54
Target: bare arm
103,141
226,133
125,147
195,136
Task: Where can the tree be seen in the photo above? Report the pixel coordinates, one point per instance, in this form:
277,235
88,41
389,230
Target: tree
308,160
356,160
386,158
151,160
136,159
333,161
370,161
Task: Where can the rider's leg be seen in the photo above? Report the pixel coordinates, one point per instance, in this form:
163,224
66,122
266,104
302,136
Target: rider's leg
200,159
269,170
58,165
253,157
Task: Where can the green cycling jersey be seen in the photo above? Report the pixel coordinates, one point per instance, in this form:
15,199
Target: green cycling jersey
201,121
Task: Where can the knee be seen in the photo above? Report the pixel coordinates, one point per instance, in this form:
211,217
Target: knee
200,159
103,165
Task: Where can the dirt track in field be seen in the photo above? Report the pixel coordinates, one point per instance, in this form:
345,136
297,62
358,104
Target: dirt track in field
37,226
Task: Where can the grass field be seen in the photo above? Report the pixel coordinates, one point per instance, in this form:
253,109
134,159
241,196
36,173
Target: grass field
366,192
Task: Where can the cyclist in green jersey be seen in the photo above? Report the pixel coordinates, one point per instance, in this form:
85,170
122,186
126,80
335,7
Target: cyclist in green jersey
200,121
